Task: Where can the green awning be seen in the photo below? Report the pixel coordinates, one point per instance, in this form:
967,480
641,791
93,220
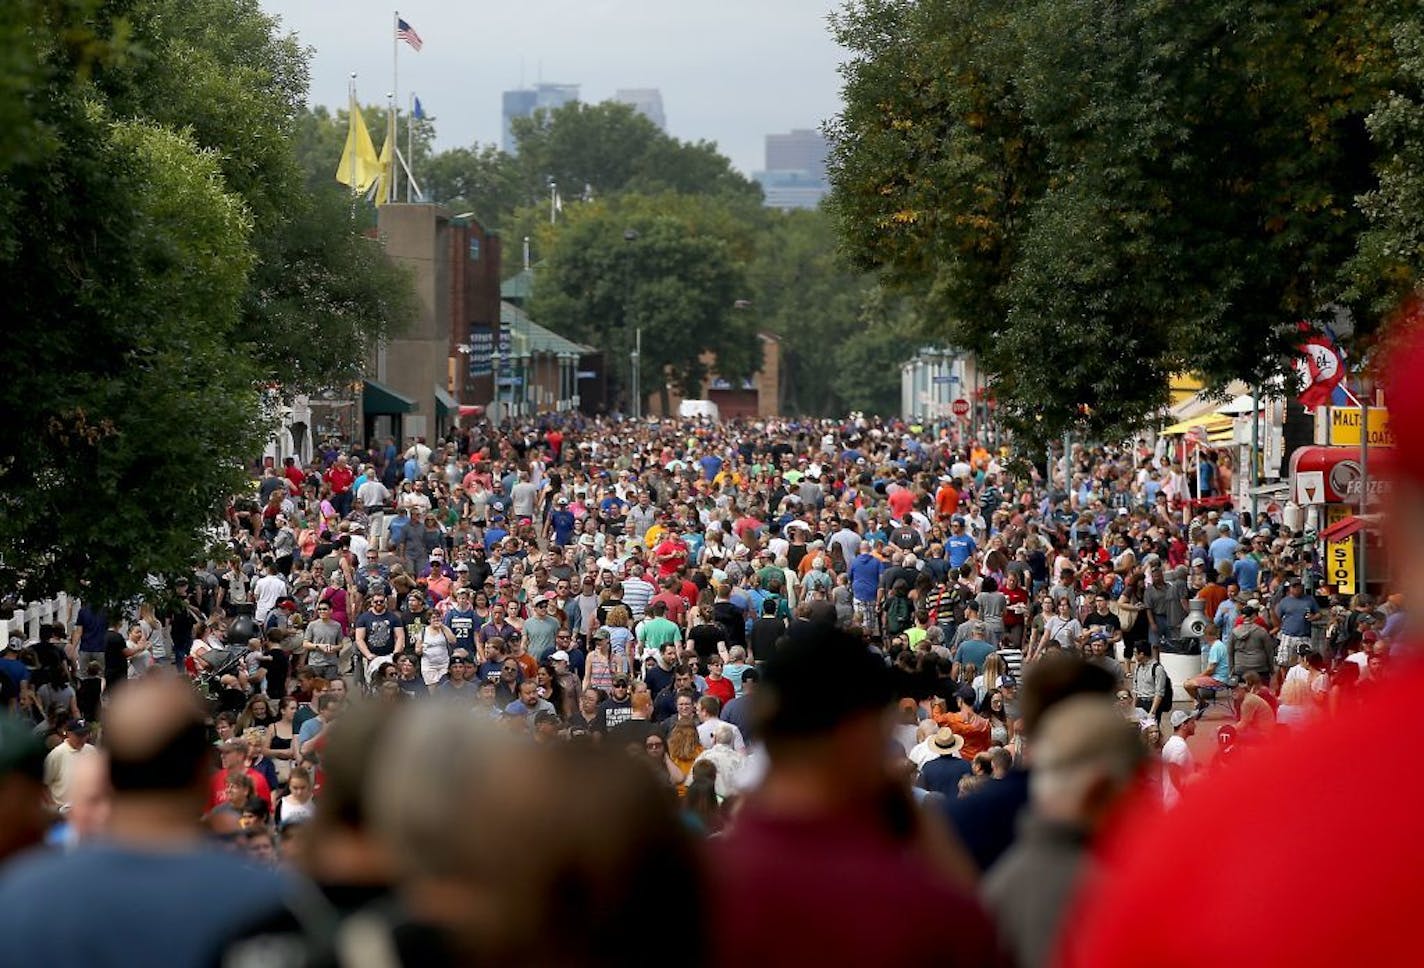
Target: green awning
444,403
377,398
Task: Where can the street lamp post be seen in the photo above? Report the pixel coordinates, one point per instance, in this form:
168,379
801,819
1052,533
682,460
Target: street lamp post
637,355
497,416
635,403
1367,392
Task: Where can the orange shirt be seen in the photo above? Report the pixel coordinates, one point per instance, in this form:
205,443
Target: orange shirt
528,665
975,731
1213,594
947,501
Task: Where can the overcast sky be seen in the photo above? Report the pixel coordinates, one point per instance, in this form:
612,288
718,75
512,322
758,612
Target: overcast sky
730,71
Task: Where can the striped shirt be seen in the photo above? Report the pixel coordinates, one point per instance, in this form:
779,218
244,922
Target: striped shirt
636,595
1013,661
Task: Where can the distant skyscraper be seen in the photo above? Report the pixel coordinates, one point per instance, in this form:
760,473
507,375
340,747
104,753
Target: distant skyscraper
802,150
523,102
795,175
647,101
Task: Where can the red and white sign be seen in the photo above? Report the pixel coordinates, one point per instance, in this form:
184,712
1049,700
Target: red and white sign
960,407
1334,475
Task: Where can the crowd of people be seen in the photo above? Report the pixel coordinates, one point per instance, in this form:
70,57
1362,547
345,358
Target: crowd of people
508,693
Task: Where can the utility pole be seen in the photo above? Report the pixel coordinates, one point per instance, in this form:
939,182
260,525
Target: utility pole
637,381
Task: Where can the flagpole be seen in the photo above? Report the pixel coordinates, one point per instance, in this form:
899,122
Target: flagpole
410,144
350,107
553,203
395,94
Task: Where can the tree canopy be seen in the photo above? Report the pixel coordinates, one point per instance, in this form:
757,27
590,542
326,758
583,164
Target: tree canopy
163,264
671,265
1093,195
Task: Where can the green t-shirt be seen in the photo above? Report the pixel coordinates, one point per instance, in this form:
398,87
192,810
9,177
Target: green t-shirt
657,632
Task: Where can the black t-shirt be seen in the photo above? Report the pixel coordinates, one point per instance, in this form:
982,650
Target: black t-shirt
632,732
905,537
380,631
614,713
704,639
116,667
733,625
765,633
794,555
1108,622
279,666
182,620
657,678
580,724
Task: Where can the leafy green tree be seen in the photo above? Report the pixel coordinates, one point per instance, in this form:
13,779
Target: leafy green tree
667,265
610,148
320,298
162,264
801,291
1390,262
1096,194
131,420
481,179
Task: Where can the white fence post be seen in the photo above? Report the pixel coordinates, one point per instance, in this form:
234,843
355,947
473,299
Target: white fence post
28,618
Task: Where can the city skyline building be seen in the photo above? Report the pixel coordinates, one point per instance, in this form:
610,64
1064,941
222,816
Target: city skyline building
523,102
795,173
801,149
647,101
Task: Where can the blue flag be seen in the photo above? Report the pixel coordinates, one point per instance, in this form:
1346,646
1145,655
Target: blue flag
419,111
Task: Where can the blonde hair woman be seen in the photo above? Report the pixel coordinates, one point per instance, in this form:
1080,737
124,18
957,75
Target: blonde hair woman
620,629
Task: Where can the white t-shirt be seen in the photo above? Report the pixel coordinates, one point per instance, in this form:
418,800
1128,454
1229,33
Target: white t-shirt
1362,660
59,767
1175,752
269,588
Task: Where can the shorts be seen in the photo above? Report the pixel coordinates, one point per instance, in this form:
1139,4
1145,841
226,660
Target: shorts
1206,682
1287,648
868,616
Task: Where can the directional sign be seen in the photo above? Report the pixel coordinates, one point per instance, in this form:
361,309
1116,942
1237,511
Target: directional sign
1310,487
960,407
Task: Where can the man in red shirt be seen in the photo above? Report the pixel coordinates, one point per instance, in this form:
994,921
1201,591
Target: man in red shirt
901,498
670,553
947,499
293,473
340,478
234,756
829,862
671,597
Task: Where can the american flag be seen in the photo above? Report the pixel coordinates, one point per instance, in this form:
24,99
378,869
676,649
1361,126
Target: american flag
406,32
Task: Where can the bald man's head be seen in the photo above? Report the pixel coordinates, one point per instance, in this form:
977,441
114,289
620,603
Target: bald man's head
89,796
156,736
1085,755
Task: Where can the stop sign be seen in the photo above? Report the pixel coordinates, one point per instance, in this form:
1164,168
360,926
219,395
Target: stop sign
960,407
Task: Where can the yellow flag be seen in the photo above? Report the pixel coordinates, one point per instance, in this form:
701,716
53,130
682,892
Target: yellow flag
385,163
359,166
